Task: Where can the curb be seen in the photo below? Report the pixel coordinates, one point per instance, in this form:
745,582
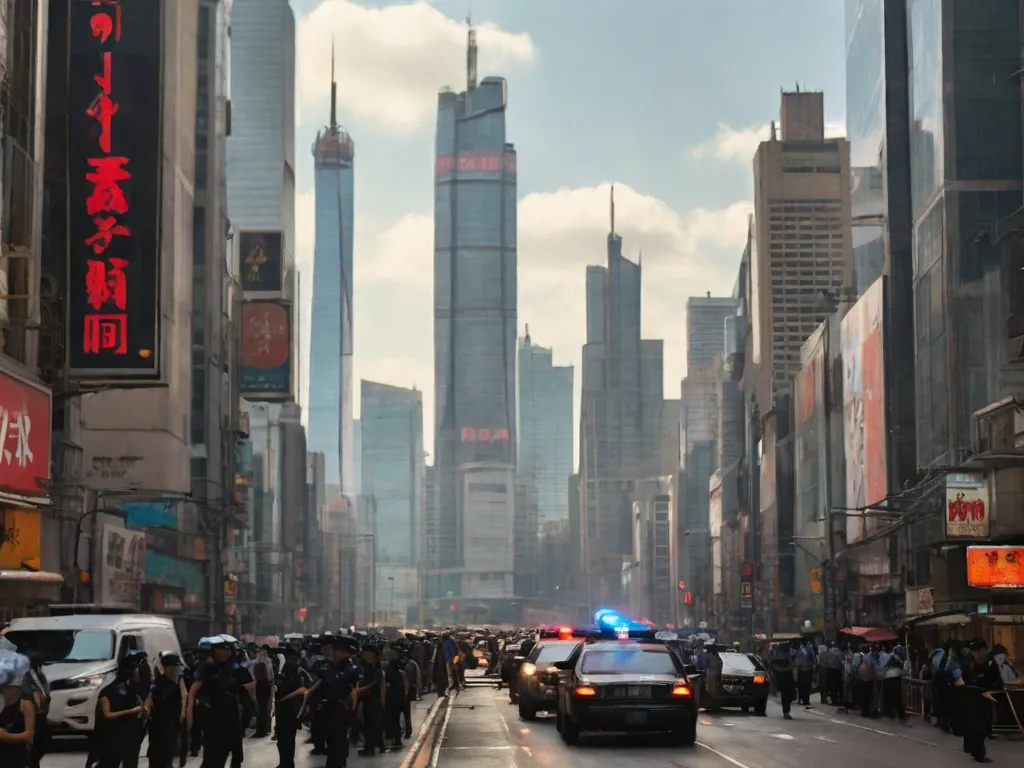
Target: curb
423,752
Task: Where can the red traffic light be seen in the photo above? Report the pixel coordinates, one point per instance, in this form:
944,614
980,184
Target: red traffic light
682,585
688,599
747,569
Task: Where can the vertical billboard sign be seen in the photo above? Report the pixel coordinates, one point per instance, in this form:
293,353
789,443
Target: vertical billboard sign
266,351
114,98
809,432
122,566
864,433
261,261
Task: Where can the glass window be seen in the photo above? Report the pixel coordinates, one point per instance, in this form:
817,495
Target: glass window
549,654
626,661
65,646
736,662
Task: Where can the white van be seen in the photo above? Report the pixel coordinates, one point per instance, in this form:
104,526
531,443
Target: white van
81,653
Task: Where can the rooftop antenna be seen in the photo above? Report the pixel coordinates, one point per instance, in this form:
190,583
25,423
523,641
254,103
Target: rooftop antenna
471,55
334,93
527,334
612,206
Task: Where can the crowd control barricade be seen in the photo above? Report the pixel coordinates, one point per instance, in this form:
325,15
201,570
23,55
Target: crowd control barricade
1009,711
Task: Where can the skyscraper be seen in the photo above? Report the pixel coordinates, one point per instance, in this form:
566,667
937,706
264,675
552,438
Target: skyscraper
705,329
620,419
330,333
475,296
545,428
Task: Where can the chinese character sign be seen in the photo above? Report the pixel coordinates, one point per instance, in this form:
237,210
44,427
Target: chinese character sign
476,163
24,437
261,261
967,513
484,435
122,566
1000,567
266,349
114,107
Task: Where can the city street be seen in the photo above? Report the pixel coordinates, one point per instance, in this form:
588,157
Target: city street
486,732
260,753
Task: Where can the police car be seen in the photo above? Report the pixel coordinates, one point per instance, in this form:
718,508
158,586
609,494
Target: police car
628,679
538,676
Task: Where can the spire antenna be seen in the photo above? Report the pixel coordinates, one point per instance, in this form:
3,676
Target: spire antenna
470,55
612,211
334,93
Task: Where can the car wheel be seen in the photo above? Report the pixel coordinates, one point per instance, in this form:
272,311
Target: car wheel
570,732
686,734
558,720
526,710
761,708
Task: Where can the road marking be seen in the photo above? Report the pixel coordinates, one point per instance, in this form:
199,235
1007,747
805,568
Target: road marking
784,736
822,738
491,747
722,755
876,730
728,725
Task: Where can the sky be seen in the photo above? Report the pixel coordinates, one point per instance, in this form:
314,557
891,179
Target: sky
667,99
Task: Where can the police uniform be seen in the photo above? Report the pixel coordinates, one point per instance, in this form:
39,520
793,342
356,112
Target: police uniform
121,737
317,726
339,678
165,715
373,710
220,686
290,679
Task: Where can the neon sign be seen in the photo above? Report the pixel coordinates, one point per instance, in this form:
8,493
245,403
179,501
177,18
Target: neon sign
114,121
475,162
484,435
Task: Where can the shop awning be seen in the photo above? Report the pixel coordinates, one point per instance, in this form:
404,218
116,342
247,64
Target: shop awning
870,634
940,620
21,587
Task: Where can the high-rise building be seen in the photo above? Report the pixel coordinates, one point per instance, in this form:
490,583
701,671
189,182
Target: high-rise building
545,428
330,333
393,468
620,422
705,329
475,300
802,220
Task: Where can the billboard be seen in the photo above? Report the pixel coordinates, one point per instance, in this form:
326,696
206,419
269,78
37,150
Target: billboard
967,506
995,567
864,423
25,414
261,261
810,431
485,162
122,566
266,350
114,100
484,435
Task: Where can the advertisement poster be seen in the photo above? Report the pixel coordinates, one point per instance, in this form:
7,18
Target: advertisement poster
810,432
19,538
261,261
864,432
967,506
996,567
266,350
24,437
122,566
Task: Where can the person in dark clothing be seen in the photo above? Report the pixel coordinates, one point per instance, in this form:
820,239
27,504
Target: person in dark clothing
195,735
976,703
166,709
219,683
340,680
122,713
372,697
293,682
37,688
261,677
17,711
188,678
784,675
395,695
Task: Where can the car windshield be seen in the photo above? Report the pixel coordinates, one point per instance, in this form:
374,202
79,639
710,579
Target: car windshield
627,661
64,646
737,662
549,654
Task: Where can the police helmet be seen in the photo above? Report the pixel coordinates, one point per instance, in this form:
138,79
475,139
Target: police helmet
169,659
342,643
132,660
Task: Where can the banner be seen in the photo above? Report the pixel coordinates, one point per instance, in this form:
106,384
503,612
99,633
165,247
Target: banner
122,566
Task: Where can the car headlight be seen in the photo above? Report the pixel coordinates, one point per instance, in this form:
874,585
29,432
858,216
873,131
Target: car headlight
88,681
529,669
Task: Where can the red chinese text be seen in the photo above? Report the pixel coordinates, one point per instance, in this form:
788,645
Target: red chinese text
483,435
106,333
105,282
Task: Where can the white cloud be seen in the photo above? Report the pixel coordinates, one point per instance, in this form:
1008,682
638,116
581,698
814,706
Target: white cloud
391,61
560,233
738,145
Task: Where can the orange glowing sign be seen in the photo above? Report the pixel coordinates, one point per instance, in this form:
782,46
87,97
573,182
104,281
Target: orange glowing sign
995,567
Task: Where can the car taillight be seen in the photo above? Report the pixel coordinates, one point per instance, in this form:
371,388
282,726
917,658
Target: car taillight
759,678
585,691
681,691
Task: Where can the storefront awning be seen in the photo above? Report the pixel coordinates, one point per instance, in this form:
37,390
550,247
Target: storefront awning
939,620
21,587
870,634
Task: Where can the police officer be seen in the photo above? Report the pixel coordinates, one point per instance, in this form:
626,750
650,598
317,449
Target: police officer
314,704
166,707
293,682
338,683
121,713
371,697
198,717
218,684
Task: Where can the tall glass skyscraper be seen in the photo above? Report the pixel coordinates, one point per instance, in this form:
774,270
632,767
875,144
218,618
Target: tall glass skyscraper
474,293
330,338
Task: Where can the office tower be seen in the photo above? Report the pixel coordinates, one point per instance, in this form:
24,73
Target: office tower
474,299
545,428
802,220
393,468
330,333
620,430
705,329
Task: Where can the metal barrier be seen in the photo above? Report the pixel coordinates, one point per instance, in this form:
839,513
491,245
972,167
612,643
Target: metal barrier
424,750
1009,708
915,694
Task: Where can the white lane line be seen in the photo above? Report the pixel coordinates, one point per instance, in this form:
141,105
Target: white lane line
830,741
876,730
722,755
783,736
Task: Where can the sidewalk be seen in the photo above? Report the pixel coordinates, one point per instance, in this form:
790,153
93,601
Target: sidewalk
477,736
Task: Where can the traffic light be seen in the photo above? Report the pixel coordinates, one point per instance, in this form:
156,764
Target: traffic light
688,599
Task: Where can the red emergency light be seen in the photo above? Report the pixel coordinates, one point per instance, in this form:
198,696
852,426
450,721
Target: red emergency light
565,633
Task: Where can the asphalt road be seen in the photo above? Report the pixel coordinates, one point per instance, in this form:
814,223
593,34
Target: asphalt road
259,753
484,731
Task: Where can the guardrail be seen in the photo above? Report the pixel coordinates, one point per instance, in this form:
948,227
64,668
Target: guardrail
425,749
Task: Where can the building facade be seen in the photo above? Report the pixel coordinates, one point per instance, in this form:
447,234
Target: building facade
393,468
330,333
545,428
475,296
705,329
